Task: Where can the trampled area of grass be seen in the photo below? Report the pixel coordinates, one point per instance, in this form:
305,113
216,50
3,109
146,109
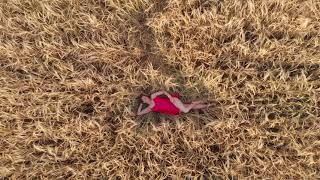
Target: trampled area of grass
71,72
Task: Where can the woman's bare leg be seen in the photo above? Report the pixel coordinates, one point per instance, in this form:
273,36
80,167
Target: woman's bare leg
181,106
200,106
195,105
187,107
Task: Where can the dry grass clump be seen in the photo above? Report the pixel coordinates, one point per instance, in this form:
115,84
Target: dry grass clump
70,72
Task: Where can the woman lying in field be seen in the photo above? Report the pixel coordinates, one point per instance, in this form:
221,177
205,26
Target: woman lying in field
171,104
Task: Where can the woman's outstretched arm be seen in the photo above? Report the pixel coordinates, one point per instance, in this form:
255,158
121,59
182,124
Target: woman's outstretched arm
154,95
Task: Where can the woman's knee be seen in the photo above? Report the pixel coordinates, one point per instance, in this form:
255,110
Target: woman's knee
185,110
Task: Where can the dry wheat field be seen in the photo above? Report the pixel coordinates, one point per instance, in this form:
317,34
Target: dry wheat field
71,72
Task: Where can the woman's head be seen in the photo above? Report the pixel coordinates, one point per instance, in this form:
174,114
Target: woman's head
146,99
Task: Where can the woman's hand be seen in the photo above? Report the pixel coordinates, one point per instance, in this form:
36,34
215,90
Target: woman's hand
145,111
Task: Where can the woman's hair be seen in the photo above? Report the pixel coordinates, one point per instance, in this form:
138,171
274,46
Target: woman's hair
144,105
139,98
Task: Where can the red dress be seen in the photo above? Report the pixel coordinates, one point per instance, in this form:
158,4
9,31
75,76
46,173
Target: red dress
165,106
